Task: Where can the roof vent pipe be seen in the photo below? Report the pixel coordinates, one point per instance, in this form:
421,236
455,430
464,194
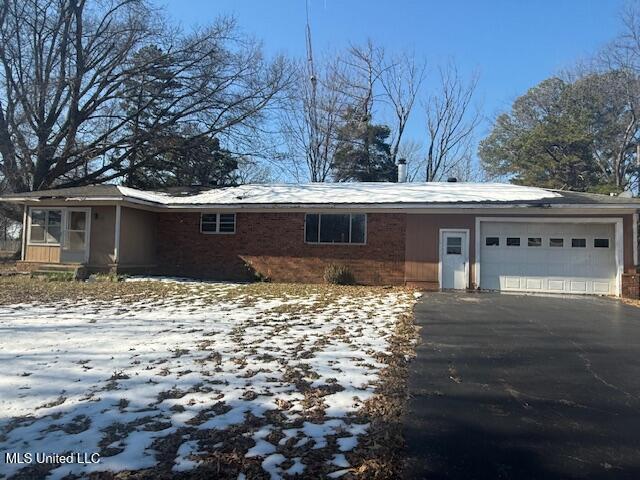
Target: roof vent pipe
452,179
402,170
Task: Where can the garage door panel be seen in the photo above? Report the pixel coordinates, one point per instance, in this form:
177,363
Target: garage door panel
561,268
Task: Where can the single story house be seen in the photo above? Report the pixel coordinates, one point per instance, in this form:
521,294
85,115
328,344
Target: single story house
429,235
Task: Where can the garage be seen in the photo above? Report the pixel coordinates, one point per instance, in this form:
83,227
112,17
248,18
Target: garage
576,256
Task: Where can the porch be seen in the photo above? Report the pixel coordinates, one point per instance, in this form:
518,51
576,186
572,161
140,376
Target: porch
96,239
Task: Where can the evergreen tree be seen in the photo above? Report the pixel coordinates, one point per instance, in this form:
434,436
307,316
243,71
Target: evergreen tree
579,135
190,160
363,153
147,103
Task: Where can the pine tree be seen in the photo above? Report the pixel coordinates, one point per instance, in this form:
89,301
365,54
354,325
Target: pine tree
363,153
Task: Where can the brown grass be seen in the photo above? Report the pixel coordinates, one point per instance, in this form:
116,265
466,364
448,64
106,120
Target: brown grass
24,289
378,454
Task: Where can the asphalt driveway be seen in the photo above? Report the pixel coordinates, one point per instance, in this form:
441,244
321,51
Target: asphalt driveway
524,387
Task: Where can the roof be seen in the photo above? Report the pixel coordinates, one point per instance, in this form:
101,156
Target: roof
334,194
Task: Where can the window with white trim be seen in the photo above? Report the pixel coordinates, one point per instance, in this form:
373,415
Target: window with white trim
513,241
492,241
348,228
218,223
45,226
600,243
578,242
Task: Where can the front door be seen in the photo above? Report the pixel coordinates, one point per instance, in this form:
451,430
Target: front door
454,259
76,236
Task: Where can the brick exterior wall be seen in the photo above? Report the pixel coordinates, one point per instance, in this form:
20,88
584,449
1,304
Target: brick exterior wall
631,285
272,245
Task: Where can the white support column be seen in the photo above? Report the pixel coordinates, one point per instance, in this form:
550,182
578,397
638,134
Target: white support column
24,233
116,245
635,238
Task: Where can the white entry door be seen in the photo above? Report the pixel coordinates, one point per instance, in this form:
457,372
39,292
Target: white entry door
75,247
454,259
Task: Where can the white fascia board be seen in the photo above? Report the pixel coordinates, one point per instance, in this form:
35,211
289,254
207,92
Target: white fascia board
393,206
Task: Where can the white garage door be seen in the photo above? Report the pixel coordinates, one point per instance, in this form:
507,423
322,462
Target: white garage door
577,258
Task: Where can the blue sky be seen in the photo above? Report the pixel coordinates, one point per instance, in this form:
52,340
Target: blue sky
513,44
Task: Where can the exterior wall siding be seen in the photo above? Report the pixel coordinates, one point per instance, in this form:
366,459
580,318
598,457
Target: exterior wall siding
42,254
102,236
137,237
272,245
422,244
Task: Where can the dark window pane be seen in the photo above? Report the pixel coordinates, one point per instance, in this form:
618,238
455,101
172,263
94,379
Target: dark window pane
334,228
227,218
38,217
77,220
227,227
492,241
513,241
601,242
358,227
534,242
227,222
55,218
311,228
76,241
579,242
53,235
556,242
208,222
37,234
454,245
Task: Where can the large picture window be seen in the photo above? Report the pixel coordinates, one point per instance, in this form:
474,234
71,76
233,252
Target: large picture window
46,226
336,228
218,223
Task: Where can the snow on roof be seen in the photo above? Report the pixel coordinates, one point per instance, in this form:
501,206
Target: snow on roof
349,193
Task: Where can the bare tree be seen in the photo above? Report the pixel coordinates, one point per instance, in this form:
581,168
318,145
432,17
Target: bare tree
67,65
401,79
413,153
358,78
619,65
311,120
451,121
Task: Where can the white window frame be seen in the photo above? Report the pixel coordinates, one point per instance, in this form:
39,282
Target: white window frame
351,214
44,243
217,231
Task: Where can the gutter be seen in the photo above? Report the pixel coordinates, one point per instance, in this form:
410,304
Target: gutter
330,206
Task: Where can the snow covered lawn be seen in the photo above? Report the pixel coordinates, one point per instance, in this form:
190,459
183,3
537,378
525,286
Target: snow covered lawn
220,380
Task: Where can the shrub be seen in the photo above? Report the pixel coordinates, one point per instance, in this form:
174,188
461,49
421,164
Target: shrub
338,275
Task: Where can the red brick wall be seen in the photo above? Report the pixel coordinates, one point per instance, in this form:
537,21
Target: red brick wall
631,285
272,244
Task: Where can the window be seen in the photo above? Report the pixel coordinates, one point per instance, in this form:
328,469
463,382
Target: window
513,241
578,242
335,228
492,241
454,245
46,226
601,243
218,223
556,242
534,242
